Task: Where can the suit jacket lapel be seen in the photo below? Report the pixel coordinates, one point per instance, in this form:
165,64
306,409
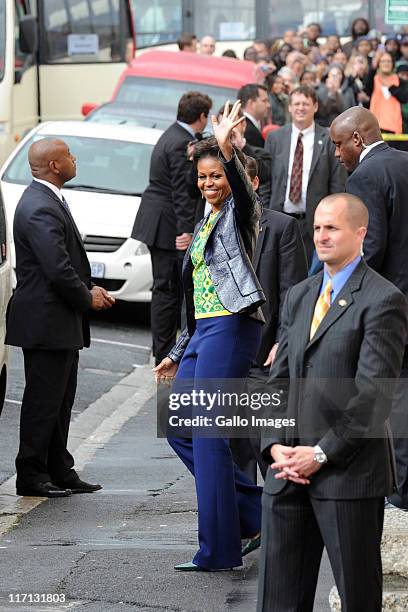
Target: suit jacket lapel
319,138
342,302
76,230
49,192
286,137
259,243
308,303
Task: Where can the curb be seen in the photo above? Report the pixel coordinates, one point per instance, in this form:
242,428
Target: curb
89,431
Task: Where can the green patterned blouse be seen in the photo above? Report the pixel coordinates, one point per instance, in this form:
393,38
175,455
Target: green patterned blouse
206,301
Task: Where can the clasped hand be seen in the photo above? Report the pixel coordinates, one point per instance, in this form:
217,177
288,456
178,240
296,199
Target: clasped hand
296,464
101,299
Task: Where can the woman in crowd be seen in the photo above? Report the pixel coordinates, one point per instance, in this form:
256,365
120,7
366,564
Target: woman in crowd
278,99
332,99
383,87
359,27
279,58
223,298
356,72
363,46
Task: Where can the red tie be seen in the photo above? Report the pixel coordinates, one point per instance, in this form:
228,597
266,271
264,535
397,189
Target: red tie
295,191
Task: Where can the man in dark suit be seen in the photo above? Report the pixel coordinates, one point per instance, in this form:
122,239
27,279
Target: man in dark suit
380,178
255,106
340,352
47,317
165,219
303,166
279,262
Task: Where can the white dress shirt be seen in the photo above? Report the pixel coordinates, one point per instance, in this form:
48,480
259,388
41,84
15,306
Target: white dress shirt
367,149
50,186
252,119
187,127
308,144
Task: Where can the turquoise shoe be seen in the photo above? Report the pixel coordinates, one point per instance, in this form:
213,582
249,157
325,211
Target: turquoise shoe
189,567
253,544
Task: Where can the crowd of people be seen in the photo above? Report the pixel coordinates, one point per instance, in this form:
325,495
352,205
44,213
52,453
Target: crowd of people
361,72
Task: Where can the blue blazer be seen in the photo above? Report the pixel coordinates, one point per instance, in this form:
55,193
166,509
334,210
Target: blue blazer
228,254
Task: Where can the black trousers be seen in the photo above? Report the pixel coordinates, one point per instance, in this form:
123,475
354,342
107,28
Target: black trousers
399,425
246,452
51,379
166,302
296,527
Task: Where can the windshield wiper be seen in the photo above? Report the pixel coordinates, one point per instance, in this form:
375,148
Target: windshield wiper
102,190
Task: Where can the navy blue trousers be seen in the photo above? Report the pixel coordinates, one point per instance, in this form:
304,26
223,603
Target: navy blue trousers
229,504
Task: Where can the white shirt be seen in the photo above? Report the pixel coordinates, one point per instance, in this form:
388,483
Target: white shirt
50,186
187,127
252,119
368,149
308,144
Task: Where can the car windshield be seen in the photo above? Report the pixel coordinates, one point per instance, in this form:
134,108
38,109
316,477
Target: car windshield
160,93
123,116
102,164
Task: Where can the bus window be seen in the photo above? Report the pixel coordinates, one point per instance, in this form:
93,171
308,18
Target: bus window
85,31
22,61
2,38
157,21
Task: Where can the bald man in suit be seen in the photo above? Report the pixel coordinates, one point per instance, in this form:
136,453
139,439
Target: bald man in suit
341,346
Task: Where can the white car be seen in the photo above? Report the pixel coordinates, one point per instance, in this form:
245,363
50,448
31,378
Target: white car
113,165
5,293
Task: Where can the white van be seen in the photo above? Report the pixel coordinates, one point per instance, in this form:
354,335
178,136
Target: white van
5,293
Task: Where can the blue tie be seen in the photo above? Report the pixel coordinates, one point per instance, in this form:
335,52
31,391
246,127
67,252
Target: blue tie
65,204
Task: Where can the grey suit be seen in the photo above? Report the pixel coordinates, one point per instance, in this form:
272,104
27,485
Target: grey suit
340,400
326,175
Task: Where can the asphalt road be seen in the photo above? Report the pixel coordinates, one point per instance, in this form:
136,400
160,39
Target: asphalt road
115,550
121,340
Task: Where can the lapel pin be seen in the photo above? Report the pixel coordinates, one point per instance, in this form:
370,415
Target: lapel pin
342,303
320,142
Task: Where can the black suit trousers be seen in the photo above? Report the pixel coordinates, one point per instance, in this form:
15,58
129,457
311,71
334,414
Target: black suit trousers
51,379
399,423
246,452
296,527
165,308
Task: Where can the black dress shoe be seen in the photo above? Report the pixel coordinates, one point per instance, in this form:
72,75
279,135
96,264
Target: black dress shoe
43,489
79,486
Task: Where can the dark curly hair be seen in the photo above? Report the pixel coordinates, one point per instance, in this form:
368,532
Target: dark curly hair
209,148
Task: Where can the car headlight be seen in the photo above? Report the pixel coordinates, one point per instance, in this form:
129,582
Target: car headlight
142,249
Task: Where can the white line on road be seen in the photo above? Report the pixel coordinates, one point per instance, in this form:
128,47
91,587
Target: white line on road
9,401
114,342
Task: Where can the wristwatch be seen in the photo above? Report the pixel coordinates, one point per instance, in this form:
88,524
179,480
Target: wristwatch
319,455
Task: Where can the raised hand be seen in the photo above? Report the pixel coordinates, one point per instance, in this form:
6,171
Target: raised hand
223,129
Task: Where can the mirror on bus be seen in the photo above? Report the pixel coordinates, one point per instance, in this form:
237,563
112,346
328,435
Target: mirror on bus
28,34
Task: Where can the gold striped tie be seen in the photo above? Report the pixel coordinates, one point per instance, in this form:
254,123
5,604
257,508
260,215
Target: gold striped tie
321,308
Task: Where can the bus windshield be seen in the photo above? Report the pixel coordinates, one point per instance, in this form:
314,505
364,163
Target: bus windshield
2,38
